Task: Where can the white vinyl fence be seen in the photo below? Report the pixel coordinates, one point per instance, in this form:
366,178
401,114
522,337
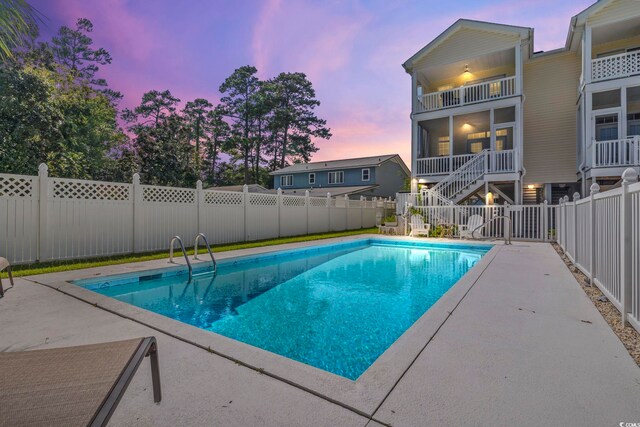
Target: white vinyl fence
528,222
600,234
44,218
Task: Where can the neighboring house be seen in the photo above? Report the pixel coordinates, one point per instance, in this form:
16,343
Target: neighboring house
491,115
375,176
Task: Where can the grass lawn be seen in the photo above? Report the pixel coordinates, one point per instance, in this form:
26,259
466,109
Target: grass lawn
57,266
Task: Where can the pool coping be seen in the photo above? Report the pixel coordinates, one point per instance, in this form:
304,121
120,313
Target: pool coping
363,395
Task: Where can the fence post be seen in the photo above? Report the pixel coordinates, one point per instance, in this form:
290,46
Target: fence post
576,197
626,262
245,205
329,210
306,203
136,198
362,202
506,224
199,203
594,189
545,221
564,219
43,202
346,212
279,203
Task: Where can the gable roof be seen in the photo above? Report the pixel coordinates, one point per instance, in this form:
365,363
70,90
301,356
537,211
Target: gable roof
523,32
576,27
359,162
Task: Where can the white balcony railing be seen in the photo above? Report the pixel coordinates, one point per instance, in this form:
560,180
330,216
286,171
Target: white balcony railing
618,152
615,66
499,162
471,94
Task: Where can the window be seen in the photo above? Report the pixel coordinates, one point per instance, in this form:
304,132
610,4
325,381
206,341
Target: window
336,177
443,146
286,180
607,127
312,178
475,147
607,99
365,174
633,124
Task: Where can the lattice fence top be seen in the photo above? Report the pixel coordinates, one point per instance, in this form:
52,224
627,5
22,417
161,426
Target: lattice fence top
615,66
168,195
89,190
296,201
263,199
317,202
222,198
16,186
355,203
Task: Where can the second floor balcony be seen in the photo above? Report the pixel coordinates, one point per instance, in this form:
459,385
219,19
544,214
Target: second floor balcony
615,66
497,161
468,94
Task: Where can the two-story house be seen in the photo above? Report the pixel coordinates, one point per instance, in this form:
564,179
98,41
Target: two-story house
375,176
490,115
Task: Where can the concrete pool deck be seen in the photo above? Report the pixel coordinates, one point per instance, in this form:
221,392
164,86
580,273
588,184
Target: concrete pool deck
522,345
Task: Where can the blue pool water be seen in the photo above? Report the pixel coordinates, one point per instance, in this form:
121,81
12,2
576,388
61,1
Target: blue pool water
335,307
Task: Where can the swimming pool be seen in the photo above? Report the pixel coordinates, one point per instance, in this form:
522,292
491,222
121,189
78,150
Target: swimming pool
336,307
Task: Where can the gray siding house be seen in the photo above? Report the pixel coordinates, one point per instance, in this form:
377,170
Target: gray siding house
375,176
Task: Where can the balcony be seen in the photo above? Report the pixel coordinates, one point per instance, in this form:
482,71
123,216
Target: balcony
502,161
615,66
617,153
468,94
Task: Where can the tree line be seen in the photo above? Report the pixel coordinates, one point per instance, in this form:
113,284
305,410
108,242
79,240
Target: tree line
55,110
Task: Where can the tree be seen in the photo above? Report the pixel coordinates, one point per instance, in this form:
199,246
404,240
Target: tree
18,23
30,118
44,117
195,113
217,133
163,153
73,49
155,106
239,90
294,121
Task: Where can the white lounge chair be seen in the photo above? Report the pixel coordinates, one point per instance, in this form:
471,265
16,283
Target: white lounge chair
418,226
466,231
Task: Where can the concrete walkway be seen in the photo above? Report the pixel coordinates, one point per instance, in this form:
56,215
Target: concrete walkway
524,346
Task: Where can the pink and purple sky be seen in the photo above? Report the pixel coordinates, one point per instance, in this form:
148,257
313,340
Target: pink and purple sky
352,51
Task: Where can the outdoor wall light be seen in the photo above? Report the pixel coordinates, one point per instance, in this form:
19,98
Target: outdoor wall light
489,198
531,186
466,68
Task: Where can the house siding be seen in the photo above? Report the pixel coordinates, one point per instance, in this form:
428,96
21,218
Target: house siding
467,43
619,10
351,177
615,45
550,125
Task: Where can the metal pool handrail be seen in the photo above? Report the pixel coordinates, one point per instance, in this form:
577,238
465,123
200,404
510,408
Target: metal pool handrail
507,234
195,250
184,252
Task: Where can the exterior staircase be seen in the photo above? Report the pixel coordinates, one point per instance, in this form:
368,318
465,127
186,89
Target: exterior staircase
459,184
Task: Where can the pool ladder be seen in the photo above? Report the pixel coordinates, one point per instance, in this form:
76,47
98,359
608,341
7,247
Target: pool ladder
195,255
184,253
195,250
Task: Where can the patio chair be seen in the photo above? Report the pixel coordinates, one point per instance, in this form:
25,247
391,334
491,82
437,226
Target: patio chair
418,226
474,222
5,265
71,386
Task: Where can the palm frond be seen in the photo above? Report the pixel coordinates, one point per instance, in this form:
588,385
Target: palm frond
18,21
